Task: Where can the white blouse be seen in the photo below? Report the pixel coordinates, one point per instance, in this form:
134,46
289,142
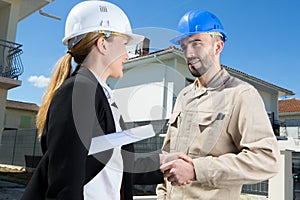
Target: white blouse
107,183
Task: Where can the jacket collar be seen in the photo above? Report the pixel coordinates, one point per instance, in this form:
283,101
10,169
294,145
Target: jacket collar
93,77
108,92
218,80
215,83
87,73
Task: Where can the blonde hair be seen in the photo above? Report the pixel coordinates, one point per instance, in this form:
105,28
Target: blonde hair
62,72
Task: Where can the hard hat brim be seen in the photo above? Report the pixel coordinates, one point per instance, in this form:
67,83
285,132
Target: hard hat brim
178,38
134,39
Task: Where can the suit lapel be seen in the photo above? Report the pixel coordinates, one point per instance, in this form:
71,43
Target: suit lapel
102,107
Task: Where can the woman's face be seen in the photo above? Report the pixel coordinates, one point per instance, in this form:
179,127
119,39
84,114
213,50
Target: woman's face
116,56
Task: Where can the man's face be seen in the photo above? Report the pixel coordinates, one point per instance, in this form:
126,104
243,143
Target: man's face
198,50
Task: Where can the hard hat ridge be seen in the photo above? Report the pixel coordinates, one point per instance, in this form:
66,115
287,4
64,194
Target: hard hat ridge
198,21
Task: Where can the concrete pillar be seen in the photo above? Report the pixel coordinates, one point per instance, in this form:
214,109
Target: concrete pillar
4,19
13,20
281,185
5,85
9,18
3,95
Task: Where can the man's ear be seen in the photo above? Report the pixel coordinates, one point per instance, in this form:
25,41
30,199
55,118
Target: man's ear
101,45
219,46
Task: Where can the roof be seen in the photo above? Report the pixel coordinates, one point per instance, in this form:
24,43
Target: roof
177,51
283,90
21,105
151,54
289,105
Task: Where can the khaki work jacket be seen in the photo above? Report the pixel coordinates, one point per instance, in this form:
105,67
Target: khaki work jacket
225,129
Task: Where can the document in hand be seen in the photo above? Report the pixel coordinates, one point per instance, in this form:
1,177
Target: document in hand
112,140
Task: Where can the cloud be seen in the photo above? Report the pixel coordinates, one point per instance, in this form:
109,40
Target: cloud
39,81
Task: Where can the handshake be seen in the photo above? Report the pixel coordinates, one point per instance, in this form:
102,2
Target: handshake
178,168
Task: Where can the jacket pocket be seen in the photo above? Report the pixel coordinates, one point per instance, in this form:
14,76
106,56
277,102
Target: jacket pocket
204,120
174,125
207,119
208,130
174,119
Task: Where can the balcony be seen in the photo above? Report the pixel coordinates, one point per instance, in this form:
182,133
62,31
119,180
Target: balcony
10,61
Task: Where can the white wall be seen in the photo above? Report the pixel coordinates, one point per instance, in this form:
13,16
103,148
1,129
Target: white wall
146,92
293,132
270,101
143,102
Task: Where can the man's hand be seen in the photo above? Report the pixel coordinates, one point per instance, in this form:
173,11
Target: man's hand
179,171
165,158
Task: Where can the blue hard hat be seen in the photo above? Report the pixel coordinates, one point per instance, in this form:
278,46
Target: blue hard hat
198,21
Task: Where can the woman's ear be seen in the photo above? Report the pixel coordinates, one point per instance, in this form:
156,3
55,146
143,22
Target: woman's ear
101,45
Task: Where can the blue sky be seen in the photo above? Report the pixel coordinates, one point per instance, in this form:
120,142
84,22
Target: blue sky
264,38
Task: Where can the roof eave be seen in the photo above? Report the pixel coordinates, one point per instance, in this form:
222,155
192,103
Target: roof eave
281,91
31,6
288,113
145,58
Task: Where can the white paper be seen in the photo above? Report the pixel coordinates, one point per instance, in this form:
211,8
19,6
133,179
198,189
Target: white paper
112,140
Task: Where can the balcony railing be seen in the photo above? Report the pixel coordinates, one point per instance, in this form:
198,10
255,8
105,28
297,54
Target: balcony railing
10,61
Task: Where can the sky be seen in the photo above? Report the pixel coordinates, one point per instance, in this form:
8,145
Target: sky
263,38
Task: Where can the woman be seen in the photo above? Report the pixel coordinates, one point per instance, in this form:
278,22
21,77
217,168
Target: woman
78,106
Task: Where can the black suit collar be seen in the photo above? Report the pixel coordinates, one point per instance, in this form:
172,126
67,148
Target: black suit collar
87,73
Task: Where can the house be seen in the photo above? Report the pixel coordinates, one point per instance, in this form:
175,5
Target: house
152,81
289,115
11,13
20,143
20,115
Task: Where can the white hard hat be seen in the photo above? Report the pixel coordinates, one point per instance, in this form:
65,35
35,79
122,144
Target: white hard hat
90,16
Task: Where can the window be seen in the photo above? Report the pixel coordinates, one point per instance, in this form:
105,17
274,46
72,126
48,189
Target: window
25,122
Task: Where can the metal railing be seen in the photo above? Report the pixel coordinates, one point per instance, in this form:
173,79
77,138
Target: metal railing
10,61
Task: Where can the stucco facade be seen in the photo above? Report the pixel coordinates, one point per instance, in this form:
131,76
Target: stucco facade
20,115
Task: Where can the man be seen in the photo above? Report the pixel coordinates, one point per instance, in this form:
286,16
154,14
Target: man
219,122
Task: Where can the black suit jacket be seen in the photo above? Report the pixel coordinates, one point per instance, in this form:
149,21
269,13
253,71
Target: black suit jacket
79,111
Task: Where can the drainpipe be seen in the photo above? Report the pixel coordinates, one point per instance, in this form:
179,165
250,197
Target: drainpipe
48,15
165,87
